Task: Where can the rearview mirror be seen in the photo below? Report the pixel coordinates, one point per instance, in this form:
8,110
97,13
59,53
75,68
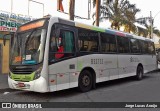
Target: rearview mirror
5,36
4,39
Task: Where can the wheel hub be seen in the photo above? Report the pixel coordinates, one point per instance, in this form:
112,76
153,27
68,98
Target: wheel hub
85,80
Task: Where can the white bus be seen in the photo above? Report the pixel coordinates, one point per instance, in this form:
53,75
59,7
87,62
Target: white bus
52,54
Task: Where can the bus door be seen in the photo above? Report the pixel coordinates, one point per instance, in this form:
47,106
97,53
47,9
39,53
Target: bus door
62,61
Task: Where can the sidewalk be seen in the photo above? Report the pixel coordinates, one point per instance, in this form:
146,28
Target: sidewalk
3,81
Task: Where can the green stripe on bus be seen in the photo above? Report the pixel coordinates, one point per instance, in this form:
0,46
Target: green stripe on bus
98,29
23,77
89,27
80,65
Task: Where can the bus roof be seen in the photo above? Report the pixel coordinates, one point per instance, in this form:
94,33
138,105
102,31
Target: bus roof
95,28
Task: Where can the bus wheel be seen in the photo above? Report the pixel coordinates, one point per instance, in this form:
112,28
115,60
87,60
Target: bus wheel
139,74
85,81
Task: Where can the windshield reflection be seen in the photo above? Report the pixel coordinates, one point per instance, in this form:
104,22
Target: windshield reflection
28,47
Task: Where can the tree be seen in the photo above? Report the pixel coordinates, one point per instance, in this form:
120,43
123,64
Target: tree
104,1
98,7
146,32
71,9
97,11
130,18
119,13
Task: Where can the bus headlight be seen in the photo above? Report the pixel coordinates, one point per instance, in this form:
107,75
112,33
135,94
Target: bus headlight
37,73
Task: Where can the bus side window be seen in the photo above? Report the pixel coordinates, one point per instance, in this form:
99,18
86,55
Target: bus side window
88,40
61,45
123,44
65,44
151,48
146,47
135,47
108,43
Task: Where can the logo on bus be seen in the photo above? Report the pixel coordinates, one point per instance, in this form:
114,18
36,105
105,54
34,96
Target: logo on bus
134,59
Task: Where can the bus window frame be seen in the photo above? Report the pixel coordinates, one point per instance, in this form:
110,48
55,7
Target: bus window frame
128,53
140,50
98,45
151,53
63,27
101,43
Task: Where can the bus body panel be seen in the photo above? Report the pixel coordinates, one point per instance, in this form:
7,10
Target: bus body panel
126,66
148,62
104,65
38,85
45,71
64,74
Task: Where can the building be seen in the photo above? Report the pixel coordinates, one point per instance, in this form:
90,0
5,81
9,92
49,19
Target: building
9,22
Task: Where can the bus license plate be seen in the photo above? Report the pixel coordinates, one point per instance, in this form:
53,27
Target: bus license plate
21,85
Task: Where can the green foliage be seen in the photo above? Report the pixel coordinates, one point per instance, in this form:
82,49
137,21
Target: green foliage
146,32
119,13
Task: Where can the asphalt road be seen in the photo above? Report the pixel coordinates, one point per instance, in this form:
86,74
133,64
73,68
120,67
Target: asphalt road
123,90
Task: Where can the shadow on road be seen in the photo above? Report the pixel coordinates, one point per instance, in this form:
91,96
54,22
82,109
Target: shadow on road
45,97
118,82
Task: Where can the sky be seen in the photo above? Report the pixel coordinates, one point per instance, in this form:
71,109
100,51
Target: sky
50,7
146,6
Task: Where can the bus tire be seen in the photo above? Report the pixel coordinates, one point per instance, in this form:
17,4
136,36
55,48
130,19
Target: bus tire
85,81
139,75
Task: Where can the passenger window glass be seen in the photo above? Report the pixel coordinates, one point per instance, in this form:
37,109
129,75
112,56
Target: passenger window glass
62,46
151,48
135,48
144,46
88,40
108,43
123,44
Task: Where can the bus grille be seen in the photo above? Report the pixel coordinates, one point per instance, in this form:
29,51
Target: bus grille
22,70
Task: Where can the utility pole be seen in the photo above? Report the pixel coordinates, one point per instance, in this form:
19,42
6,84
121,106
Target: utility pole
60,6
89,8
97,11
71,9
151,23
28,8
11,6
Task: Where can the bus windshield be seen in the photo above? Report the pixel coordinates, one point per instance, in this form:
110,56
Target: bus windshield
28,47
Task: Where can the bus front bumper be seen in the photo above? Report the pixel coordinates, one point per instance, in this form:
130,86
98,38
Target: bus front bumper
38,85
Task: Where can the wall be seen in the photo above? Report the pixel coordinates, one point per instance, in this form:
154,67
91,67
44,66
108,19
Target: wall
5,57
